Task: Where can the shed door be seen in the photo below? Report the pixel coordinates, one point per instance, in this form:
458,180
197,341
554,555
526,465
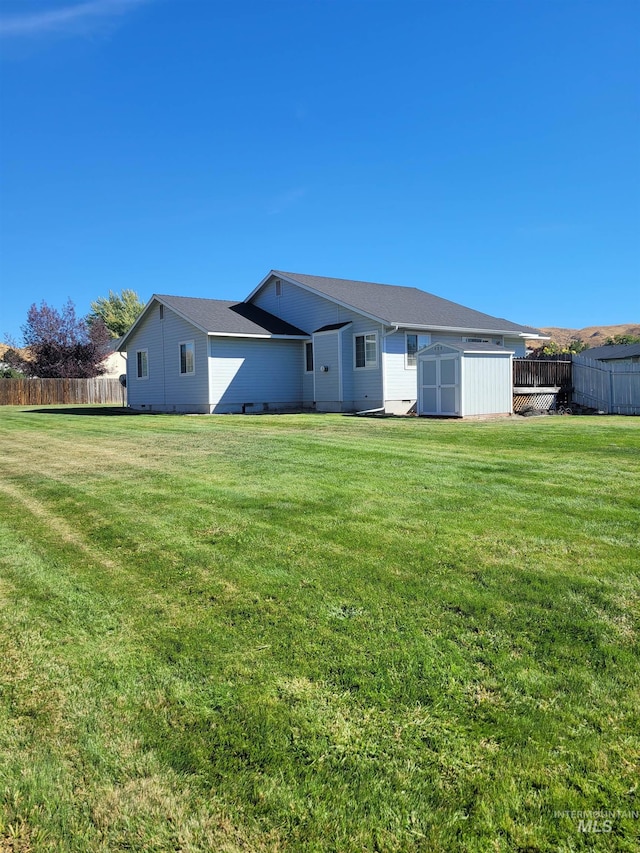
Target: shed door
440,385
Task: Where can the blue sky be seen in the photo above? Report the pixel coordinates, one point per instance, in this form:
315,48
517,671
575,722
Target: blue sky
485,151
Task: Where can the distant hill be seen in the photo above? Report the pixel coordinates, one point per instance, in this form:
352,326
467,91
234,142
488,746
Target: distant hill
595,336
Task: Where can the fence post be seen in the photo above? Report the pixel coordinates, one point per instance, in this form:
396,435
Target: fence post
611,392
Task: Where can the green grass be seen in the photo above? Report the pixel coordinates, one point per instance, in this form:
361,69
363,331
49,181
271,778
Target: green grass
318,633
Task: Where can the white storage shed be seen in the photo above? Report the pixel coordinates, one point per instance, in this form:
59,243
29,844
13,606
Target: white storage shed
464,379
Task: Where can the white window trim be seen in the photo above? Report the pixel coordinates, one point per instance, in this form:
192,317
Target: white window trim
146,351
418,335
306,344
366,366
186,344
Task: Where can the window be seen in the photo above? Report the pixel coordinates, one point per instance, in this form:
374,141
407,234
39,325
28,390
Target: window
497,341
187,358
414,343
162,312
278,287
366,350
308,357
142,364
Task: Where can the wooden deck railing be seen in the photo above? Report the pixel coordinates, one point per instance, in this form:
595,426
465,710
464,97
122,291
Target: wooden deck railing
541,373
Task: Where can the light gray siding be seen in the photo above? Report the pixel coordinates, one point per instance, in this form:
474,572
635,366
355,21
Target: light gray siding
166,389
367,381
399,380
486,383
361,387
259,375
327,371
297,306
517,345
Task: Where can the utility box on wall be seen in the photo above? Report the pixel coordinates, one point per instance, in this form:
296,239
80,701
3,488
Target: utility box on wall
464,379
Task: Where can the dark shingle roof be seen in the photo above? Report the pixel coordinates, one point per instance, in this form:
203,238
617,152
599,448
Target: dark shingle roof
331,327
613,351
406,306
233,318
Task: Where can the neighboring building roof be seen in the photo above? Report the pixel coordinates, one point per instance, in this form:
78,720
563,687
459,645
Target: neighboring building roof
402,306
612,351
223,317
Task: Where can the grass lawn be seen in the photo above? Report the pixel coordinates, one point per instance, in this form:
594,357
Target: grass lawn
318,633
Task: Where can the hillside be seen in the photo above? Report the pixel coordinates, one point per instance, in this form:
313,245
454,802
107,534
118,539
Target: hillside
595,336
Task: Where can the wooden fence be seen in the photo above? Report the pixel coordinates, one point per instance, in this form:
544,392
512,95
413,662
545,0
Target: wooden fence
51,392
542,373
612,387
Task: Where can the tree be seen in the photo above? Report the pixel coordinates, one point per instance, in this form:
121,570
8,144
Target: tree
622,339
118,313
60,345
8,372
575,346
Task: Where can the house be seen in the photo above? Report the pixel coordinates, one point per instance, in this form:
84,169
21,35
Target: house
618,353
297,341
115,361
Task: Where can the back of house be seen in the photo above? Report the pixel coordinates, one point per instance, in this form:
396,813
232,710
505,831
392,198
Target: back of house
297,342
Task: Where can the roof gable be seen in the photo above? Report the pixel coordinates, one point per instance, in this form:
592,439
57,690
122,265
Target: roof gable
403,306
222,317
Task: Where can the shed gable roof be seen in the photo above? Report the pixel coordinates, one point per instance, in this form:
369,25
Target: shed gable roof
402,306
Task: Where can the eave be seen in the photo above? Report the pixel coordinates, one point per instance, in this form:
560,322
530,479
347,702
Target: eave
512,333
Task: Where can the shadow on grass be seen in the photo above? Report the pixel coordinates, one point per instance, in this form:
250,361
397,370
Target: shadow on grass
105,411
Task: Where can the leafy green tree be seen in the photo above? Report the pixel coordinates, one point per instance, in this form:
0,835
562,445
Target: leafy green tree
622,339
118,312
553,348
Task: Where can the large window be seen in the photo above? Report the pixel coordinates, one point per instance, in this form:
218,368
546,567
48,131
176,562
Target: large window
414,343
187,358
308,357
142,364
366,350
